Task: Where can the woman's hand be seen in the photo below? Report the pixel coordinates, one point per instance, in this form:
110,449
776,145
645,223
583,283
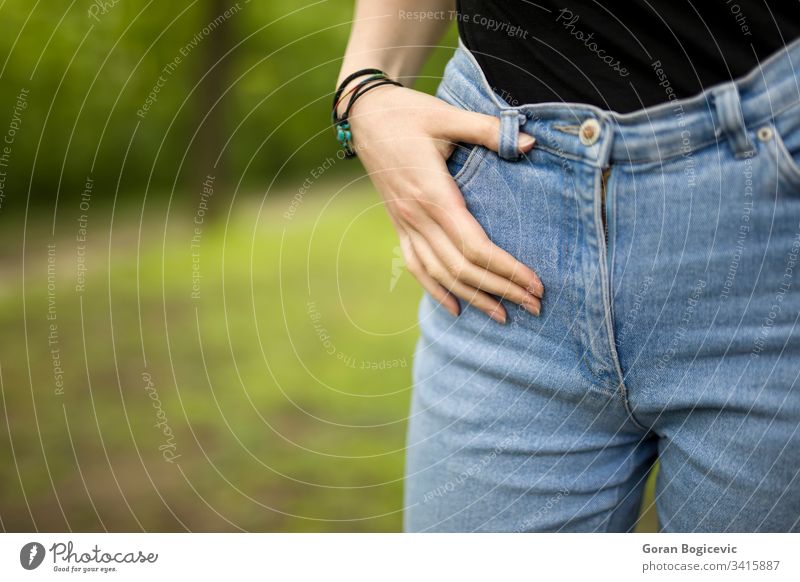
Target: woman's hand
403,137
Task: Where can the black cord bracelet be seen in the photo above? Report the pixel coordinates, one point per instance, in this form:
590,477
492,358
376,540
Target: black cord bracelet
377,78
352,77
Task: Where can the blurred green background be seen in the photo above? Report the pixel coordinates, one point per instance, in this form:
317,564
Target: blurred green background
205,321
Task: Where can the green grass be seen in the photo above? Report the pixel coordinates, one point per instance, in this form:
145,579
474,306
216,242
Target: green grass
265,380
276,429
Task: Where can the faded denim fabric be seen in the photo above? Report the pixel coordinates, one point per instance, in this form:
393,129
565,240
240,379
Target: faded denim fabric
673,337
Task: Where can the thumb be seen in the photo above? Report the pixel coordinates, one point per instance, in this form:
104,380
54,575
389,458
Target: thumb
482,129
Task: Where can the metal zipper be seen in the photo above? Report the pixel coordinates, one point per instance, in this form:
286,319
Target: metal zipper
603,188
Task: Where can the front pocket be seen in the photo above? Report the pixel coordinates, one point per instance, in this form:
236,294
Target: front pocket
781,139
466,157
787,158
463,162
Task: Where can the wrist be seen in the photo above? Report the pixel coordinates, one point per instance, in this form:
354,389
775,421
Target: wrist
352,88
393,62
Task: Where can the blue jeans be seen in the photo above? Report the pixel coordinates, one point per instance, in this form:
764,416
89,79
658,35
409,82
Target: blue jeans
668,243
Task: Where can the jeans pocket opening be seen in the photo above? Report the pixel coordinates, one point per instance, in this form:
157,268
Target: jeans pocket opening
463,162
787,161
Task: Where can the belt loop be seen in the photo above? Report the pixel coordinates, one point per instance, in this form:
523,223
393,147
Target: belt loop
510,122
731,121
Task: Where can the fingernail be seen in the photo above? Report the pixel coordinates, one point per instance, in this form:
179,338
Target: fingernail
526,141
498,316
536,290
532,308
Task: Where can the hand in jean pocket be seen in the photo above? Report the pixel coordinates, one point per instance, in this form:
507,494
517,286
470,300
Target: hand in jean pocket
404,139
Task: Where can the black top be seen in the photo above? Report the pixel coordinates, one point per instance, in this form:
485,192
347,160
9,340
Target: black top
621,55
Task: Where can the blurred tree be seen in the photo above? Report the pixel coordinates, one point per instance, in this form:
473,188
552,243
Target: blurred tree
90,72
214,74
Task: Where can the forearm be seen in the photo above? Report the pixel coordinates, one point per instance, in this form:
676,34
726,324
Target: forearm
395,36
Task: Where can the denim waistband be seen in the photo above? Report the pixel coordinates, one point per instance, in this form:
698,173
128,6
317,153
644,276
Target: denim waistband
599,137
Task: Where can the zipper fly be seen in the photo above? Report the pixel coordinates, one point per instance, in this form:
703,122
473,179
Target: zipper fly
603,217
605,278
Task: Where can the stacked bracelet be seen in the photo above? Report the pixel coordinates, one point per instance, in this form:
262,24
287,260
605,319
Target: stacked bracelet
374,78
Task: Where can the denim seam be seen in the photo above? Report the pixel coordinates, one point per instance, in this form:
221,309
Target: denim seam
606,290
465,163
476,158
743,85
594,163
787,168
611,219
750,125
584,337
626,404
629,162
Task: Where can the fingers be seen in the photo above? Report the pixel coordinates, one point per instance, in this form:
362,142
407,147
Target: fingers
439,273
479,128
470,239
461,268
455,253
434,289
445,248
483,252
447,209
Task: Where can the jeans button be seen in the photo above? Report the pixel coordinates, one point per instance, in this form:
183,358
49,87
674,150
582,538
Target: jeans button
589,132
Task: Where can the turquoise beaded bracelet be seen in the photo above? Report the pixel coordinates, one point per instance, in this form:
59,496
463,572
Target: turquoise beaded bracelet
344,135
